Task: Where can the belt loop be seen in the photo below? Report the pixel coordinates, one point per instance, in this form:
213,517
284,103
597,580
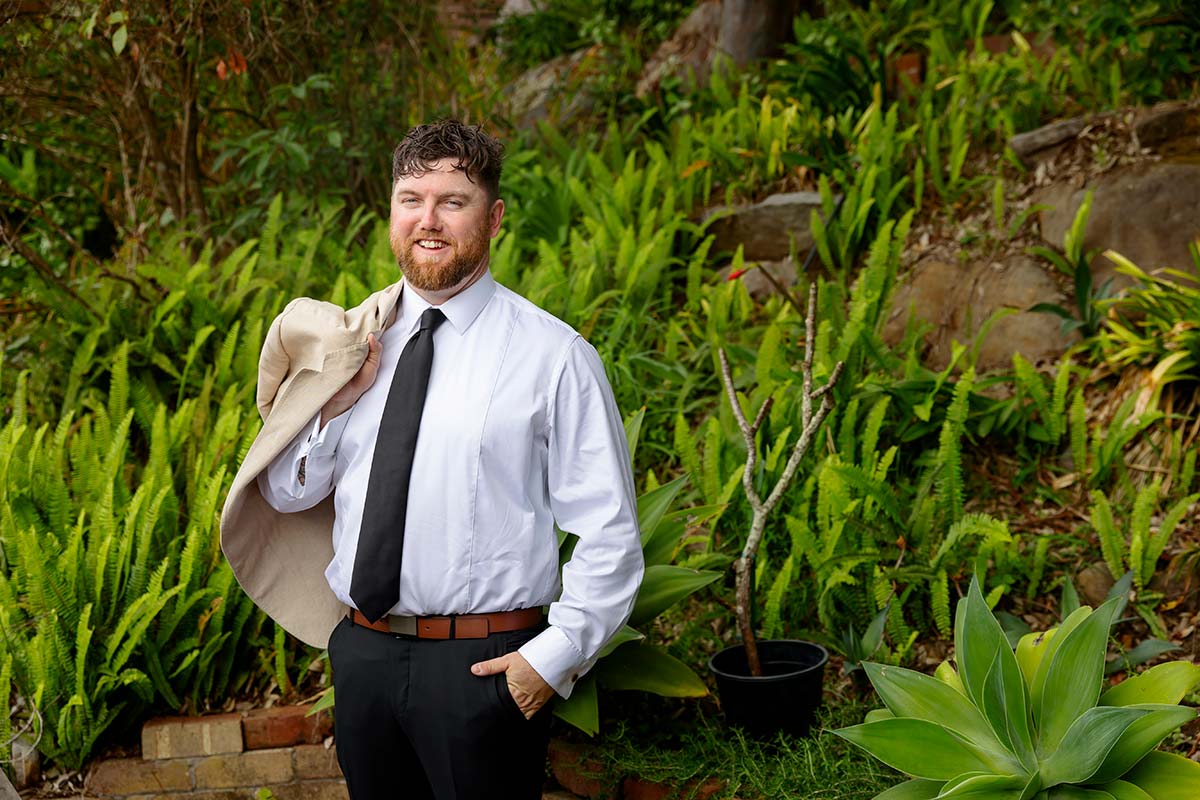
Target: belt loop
451,634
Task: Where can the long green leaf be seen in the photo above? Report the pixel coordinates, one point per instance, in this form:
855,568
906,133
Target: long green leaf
1164,684
1073,675
581,708
1166,776
991,674
654,504
919,748
665,585
1087,743
1123,790
909,693
983,787
1140,738
915,789
641,667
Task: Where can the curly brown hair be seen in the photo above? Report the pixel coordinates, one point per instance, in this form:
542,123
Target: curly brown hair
476,153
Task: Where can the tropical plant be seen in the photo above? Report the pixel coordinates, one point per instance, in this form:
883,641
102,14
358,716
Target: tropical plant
1032,724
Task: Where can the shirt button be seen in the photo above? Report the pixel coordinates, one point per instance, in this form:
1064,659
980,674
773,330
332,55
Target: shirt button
574,677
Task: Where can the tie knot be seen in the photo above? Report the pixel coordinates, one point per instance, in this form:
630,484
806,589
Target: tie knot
431,318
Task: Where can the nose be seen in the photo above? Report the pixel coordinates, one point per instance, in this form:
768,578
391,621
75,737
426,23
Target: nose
429,217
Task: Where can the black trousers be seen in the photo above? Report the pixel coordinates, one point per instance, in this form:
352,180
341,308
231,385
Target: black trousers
412,722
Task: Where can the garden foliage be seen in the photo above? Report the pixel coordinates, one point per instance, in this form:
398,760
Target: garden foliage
127,377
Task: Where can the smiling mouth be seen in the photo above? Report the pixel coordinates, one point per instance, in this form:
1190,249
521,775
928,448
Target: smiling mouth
431,245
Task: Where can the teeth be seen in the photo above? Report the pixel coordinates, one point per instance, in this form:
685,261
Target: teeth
430,243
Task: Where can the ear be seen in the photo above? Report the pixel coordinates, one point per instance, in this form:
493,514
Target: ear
495,215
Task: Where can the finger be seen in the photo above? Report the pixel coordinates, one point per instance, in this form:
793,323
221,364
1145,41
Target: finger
490,667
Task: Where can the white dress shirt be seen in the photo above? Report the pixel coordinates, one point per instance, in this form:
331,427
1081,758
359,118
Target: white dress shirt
519,432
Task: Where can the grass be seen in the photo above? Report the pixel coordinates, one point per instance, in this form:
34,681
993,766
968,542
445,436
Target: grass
680,742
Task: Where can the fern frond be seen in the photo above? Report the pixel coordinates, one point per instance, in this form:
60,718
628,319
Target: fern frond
939,602
1139,530
772,625
1112,544
948,463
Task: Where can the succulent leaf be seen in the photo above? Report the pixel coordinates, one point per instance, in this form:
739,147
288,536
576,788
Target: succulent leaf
919,748
982,787
1073,677
1031,649
913,694
1123,790
1140,738
1087,743
947,674
916,789
1165,684
991,675
1166,776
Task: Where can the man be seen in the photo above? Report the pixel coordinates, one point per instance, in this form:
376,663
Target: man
454,424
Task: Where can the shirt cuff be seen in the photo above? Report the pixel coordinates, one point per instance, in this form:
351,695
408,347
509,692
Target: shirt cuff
552,656
321,439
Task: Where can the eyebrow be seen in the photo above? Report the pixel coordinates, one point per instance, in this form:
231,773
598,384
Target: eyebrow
446,196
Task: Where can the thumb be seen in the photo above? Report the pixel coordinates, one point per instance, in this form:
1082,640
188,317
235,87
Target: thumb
491,667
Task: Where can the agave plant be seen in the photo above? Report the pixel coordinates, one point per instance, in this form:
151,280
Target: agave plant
1030,724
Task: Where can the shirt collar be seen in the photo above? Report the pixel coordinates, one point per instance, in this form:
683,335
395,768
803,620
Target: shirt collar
460,310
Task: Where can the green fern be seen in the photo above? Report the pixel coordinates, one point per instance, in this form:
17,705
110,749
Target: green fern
1079,435
1112,544
772,615
948,463
939,602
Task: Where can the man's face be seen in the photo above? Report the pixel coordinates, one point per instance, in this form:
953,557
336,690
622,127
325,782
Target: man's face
441,225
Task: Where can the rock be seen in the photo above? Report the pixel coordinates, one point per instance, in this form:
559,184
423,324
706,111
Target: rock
516,8
1164,122
1018,283
1030,142
766,229
26,763
741,30
1094,583
7,790
1147,214
552,90
689,50
958,299
754,29
759,286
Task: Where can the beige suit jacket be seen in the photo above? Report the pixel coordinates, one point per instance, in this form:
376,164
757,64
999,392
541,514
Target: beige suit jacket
311,351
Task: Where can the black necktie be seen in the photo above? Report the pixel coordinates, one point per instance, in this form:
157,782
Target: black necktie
375,583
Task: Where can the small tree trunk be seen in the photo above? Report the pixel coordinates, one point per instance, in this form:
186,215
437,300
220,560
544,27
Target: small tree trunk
745,578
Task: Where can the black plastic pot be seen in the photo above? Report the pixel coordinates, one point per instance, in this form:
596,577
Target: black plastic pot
784,698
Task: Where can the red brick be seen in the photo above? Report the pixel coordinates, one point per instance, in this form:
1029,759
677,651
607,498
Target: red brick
252,768
578,773
311,790
122,776
316,761
641,789
181,737
284,726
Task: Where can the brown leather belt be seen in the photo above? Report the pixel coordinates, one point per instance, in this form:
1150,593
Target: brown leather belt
460,626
